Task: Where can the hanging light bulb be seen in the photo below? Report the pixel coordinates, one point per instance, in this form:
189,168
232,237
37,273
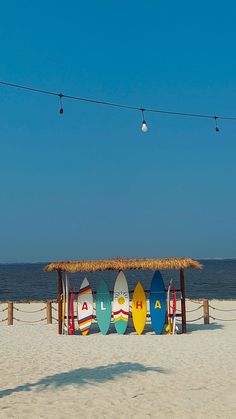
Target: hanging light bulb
216,127
60,97
144,126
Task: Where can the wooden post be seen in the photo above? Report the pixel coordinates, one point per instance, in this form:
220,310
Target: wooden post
183,307
59,300
206,312
10,313
49,312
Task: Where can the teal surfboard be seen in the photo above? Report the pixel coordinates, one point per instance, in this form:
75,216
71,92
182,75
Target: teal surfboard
103,307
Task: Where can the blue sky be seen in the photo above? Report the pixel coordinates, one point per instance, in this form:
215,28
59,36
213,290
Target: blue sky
89,184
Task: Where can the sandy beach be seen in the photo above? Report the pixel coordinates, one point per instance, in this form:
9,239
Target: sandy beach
44,375
118,125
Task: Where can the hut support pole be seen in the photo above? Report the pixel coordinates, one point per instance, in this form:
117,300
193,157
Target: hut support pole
59,300
183,307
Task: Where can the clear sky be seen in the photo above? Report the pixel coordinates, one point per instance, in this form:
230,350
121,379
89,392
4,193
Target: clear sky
89,183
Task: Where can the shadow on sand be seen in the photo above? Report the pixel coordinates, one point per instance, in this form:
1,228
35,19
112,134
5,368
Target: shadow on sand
112,330
82,376
191,327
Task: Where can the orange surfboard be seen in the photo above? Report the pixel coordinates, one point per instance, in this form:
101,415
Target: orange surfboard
139,308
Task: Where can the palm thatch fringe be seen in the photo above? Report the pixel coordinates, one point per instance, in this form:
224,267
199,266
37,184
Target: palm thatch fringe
122,264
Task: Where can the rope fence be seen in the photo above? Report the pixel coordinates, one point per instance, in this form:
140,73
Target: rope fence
26,314
207,315
222,320
191,311
221,309
5,309
26,311
32,322
195,302
194,320
52,310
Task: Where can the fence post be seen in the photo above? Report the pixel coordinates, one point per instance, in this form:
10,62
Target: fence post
10,313
49,312
206,312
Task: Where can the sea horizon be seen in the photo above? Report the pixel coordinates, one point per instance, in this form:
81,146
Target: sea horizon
113,257
29,281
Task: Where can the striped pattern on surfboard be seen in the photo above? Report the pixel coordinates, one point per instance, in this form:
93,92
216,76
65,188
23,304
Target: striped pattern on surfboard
85,307
121,315
121,303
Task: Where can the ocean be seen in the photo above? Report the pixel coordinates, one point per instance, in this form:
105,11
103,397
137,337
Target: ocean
29,282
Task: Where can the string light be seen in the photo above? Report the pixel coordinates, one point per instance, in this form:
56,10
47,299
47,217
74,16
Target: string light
144,126
216,125
60,97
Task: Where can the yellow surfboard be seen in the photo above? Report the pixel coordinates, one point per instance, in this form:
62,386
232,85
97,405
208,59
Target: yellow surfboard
139,308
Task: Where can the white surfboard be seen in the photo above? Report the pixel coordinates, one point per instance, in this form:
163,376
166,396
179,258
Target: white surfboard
121,303
85,307
171,328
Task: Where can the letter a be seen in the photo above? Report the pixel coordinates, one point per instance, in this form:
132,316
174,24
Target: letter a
139,304
102,306
158,304
84,306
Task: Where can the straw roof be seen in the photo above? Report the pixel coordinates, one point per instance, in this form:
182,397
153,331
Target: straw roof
122,264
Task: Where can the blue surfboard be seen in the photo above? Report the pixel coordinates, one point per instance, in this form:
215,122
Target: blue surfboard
103,307
158,303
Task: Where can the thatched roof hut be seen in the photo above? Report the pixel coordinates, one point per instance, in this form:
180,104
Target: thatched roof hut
122,264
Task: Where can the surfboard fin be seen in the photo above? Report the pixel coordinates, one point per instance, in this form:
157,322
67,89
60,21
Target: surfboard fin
168,329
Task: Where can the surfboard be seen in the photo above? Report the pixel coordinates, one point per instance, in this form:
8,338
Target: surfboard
63,309
103,307
121,303
171,309
67,309
85,307
139,308
158,303
174,310
168,327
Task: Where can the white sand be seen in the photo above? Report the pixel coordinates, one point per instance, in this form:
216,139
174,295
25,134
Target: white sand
44,375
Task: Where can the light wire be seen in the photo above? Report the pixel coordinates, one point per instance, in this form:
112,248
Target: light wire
117,105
